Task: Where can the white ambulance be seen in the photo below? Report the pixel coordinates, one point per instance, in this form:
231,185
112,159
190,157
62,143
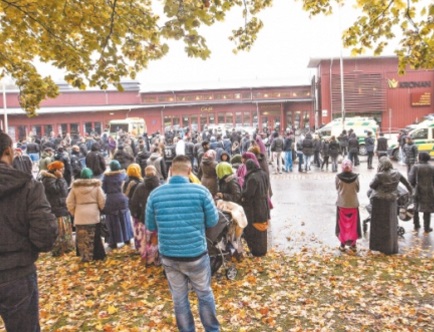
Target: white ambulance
360,125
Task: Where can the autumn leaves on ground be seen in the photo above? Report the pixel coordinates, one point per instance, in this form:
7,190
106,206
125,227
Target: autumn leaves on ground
307,291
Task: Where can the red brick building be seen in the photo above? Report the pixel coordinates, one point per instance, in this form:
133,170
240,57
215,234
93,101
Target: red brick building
371,87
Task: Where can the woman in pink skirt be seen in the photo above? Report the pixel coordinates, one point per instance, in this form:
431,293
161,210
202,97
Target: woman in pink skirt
348,228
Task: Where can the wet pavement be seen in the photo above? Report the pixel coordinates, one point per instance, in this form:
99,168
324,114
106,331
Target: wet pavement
304,213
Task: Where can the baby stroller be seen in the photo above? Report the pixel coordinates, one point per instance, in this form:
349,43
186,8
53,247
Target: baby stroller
220,249
405,209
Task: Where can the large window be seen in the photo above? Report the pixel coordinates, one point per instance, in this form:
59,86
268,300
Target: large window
238,119
246,119
74,130
221,119
63,129
194,123
22,132
88,127
203,121
185,121
98,127
48,129
229,119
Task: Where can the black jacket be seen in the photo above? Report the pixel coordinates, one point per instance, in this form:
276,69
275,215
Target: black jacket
137,203
56,191
26,222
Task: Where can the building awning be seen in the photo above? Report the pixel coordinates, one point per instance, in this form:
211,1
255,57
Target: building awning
73,109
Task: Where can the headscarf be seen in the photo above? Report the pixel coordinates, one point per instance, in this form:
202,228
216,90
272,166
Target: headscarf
150,170
384,164
134,171
223,168
250,155
115,165
347,166
86,173
251,165
55,166
261,144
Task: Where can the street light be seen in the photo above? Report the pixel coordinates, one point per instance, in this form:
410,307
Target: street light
5,108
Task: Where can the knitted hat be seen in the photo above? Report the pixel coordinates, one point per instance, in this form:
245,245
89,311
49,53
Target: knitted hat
86,173
55,165
115,165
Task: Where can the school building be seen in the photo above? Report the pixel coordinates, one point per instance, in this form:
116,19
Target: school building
371,87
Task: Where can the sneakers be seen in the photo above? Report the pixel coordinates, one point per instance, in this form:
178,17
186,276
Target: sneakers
342,247
428,230
353,248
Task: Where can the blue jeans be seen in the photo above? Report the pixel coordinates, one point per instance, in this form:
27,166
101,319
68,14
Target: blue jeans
288,161
198,273
19,304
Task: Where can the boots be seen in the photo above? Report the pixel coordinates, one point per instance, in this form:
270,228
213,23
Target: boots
426,222
416,221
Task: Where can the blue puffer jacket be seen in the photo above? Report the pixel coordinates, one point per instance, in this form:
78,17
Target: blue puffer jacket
181,211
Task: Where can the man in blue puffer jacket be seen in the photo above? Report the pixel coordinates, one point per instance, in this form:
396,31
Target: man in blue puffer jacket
180,212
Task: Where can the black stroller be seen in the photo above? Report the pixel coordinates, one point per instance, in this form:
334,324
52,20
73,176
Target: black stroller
405,209
219,248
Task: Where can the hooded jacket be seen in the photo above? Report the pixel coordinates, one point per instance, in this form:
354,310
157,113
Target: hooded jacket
347,185
85,201
137,203
26,222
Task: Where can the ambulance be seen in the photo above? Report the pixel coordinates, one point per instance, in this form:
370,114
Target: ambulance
360,126
423,138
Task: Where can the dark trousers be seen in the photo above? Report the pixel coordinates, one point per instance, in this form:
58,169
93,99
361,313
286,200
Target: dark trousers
426,220
370,158
19,304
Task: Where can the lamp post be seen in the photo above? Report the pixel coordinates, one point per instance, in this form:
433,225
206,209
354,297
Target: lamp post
341,65
5,108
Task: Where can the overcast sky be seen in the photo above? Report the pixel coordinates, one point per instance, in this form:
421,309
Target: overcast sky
279,57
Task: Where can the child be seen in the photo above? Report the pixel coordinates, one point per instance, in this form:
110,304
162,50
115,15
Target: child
348,228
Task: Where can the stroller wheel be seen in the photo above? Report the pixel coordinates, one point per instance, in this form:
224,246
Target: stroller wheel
231,273
401,231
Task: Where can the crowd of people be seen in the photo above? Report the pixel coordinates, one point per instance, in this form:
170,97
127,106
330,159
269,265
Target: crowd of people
143,191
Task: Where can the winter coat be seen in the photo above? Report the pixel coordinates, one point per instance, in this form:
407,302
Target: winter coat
385,185
411,153
124,158
112,187
26,222
188,210
56,190
255,196
230,188
421,177
334,149
325,148
85,201
208,175
382,144
307,145
137,203
347,185
369,144
158,162
288,144
130,186
277,144
95,161
353,144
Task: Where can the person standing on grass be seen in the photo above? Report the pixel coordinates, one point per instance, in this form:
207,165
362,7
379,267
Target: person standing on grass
348,228
27,228
189,210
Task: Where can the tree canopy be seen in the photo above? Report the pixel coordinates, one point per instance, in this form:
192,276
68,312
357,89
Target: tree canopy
99,42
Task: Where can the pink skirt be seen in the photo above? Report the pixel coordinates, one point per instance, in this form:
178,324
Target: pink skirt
348,228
